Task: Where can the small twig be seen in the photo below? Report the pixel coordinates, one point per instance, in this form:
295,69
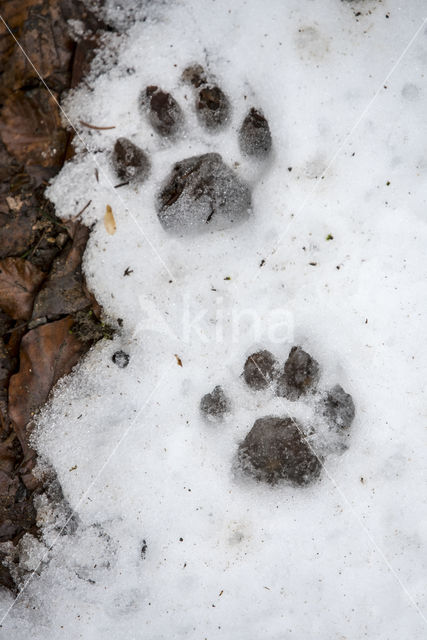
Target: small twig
121,184
80,212
93,126
20,326
36,246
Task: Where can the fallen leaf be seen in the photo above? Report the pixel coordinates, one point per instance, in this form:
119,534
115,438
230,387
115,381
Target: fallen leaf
33,143
63,293
45,36
14,13
178,360
16,231
19,282
14,204
83,56
31,131
47,353
7,367
109,222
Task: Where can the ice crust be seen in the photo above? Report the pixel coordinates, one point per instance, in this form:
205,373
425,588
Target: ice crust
226,557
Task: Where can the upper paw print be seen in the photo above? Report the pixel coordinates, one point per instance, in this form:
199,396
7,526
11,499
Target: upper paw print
201,191
281,447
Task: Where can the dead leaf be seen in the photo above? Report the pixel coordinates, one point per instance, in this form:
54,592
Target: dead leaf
109,222
32,149
31,131
48,352
16,231
8,454
14,13
44,35
7,364
178,360
62,293
19,282
14,204
83,56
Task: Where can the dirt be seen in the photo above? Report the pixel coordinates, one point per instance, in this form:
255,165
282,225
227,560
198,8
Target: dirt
194,75
254,135
300,376
130,162
338,408
215,405
165,114
260,369
275,449
200,191
48,318
213,107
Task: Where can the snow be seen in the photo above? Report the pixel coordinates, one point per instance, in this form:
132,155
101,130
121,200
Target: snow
227,557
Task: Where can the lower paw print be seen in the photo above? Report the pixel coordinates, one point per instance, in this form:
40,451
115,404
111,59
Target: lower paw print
202,191
283,447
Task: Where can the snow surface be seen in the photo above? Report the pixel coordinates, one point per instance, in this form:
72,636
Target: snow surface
226,557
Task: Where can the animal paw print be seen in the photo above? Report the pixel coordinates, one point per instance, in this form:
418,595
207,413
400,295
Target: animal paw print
201,191
280,447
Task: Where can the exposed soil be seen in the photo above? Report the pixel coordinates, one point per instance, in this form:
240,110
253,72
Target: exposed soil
202,190
48,319
260,369
254,135
131,163
165,114
275,449
215,405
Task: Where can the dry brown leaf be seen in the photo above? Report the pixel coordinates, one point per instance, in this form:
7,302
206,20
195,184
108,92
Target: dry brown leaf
63,292
43,34
178,360
14,204
31,130
109,222
83,56
16,231
19,282
7,364
47,353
